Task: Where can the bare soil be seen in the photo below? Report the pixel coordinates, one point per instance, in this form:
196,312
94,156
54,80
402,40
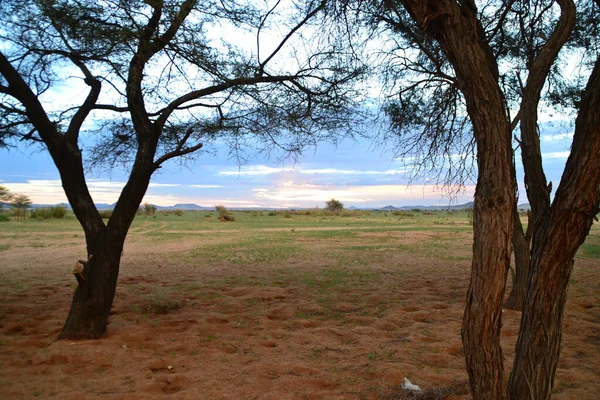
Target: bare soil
306,327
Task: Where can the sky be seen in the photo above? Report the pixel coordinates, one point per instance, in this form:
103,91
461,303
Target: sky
355,172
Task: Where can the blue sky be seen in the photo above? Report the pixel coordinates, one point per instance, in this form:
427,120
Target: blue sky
356,173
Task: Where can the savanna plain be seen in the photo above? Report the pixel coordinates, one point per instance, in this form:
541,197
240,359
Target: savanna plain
274,305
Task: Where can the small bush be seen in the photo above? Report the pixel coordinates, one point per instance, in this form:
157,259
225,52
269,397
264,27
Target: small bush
272,214
4,218
334,205
224,214
57,212
149,209
256,213
105,214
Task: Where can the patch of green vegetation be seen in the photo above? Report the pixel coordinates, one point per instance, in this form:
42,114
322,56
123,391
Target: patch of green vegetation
590,250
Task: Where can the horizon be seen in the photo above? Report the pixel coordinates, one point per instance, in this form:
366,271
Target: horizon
354,172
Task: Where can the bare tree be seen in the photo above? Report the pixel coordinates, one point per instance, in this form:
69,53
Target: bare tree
160,87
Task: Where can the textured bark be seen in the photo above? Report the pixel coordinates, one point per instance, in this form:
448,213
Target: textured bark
459,32
575,205
521,250
93,298
538,190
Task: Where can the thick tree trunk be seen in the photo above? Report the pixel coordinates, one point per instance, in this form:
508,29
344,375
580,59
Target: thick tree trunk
575,205
95,293
455,26
522,254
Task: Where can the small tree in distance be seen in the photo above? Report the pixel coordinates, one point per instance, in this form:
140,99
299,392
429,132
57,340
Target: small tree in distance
334,205
21,202
224,214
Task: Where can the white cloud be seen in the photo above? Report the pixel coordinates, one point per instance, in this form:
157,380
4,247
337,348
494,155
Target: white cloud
559,137
556,155
266,170
164,185
205,186
255,170
303,196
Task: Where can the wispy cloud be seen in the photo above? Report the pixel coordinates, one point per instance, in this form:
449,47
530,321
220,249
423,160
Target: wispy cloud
205,186
266,170
559,137
152,185
303,196
562,155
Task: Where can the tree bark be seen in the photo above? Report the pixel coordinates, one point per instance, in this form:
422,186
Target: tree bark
570,217
522,253
93,298
456,28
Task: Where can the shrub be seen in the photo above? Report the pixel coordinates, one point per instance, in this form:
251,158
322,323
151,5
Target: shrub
256,213
4,218
57,212
105,214
334,205
224,214
149,209
272,213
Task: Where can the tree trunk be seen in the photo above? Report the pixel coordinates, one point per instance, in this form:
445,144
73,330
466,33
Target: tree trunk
571,215
95,293
455,26
522,253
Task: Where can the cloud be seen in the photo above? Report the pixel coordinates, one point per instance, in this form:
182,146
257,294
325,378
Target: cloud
558,137
266,170
164,185
373,195
255,170
205,186
556,155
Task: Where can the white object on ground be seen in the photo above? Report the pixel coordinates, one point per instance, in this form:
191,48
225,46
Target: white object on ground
408,385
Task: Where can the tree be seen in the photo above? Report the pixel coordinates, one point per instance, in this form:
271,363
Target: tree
457,28
21,202
334,205
429,122
160,87
5,195
149,209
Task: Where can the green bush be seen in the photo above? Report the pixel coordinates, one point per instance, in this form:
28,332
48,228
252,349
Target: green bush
105,214
224,214
272,213
56,212
4,218
334,205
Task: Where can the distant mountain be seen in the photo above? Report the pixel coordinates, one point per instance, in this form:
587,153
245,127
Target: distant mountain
186,206
388,208
524,206
104,206
439,208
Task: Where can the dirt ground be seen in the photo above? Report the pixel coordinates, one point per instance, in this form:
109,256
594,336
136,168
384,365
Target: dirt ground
305,326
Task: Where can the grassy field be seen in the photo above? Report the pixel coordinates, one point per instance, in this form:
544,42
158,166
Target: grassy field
275,305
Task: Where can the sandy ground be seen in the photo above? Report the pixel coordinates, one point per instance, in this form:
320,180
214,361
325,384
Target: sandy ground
302,328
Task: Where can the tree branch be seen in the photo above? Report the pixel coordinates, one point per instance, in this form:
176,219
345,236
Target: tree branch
179,150
311,14
216,89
